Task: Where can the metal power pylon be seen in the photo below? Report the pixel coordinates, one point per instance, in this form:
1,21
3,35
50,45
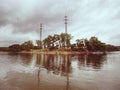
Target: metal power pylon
66,19
66,22
41,27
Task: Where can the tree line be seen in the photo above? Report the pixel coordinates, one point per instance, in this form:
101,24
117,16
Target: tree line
94,44
62,41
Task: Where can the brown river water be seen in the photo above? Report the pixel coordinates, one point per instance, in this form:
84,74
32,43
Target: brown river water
59,72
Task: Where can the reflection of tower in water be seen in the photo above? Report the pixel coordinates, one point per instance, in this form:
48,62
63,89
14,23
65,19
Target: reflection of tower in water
62,65
39,62
68,63
38,77
67,69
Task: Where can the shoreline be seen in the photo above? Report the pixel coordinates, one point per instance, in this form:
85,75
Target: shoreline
59,52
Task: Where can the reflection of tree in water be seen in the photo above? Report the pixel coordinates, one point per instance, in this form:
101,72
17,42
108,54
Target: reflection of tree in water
66,64
26,58
39,59
59,64
13,54
94,61
49,62
56,63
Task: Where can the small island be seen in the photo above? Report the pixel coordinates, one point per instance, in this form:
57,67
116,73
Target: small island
61,44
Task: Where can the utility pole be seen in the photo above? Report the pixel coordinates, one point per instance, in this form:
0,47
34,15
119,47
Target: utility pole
41,27
66,22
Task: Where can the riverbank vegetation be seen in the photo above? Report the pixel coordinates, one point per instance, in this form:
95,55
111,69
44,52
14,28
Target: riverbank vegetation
62,42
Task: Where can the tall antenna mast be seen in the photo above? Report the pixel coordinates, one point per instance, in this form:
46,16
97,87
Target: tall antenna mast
65,18
41,27
66,22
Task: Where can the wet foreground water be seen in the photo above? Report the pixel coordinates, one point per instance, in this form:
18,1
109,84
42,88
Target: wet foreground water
59,72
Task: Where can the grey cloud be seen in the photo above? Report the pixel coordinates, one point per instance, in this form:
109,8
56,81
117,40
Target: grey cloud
115,39
85,18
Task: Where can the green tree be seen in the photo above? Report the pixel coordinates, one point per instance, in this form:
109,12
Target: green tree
56,38
62,38
39,43
15,48
65,39
27,45
96,45
48,41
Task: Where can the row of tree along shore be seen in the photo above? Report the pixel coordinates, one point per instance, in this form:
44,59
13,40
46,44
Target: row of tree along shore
62,43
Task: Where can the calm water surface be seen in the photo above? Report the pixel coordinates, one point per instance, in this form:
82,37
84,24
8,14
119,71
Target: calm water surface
59,72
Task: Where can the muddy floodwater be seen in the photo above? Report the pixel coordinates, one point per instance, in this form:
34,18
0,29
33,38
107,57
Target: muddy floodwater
59,72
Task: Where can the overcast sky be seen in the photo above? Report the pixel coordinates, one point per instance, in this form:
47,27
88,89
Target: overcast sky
20,19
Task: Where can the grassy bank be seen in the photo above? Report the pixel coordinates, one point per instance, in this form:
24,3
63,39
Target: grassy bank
59,52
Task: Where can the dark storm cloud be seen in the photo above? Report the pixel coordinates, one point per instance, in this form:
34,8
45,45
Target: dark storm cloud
26,18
